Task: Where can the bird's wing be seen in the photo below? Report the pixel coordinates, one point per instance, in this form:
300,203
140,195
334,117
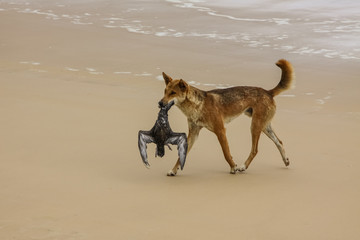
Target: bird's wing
180,140
144,138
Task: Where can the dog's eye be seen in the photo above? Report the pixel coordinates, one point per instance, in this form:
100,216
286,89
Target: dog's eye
172,93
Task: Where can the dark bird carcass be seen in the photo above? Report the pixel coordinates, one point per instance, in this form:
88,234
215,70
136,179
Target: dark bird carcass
161,134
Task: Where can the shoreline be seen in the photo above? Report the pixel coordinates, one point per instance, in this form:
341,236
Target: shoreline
275,33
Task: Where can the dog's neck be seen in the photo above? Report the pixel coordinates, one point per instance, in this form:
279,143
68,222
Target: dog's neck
194,98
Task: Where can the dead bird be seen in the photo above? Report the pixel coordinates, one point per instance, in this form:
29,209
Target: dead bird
161,134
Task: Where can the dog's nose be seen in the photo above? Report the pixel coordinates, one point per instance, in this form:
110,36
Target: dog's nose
161,104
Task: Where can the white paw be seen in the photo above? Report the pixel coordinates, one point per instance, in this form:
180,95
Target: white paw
234,169
242,168
171,173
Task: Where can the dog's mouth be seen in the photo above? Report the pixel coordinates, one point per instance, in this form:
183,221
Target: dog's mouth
162,104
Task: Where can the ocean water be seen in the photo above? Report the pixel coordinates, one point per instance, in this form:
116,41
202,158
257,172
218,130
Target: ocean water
326,28
301,28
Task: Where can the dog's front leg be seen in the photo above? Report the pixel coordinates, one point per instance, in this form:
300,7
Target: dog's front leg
221,135
194,131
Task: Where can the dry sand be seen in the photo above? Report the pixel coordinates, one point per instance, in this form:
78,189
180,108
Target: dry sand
73,97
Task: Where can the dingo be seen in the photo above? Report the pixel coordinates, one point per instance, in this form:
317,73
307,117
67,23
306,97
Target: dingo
212,109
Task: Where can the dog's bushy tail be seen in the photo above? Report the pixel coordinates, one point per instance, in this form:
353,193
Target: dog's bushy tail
287,77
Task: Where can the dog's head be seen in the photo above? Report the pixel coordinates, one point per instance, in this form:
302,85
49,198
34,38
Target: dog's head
175,90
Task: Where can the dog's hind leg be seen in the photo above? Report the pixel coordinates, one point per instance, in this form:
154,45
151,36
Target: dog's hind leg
257,127
194,131
271,134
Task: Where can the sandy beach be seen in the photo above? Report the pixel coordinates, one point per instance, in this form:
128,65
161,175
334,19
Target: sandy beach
79,80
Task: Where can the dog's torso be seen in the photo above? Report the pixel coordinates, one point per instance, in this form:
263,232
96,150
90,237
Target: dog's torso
203,108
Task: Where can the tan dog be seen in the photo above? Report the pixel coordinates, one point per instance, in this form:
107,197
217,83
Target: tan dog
212,109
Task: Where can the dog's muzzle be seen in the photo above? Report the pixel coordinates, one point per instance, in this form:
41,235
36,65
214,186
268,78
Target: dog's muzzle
161,104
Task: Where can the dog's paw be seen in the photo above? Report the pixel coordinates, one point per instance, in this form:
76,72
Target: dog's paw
287,162
234,169
242,168
171,173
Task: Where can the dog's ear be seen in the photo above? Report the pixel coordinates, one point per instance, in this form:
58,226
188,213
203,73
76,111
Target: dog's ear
182,85
166,78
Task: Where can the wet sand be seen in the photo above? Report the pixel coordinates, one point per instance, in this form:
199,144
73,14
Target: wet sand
74,95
